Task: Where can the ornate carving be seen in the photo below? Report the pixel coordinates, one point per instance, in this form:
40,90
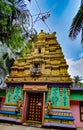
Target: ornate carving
49,107
19,104
47,53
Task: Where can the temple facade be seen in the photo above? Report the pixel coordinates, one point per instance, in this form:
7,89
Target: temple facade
38,88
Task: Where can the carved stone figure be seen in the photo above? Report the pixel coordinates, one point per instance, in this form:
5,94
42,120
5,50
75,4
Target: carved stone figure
19,105
49,107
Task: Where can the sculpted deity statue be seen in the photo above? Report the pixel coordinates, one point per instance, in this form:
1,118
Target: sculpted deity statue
19,104
49,107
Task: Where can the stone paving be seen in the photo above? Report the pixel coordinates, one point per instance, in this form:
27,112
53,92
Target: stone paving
6,126
79,128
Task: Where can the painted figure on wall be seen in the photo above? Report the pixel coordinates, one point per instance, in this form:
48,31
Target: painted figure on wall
49,107
19,105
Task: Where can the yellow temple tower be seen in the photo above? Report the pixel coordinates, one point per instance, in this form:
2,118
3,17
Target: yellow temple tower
45,63
38,88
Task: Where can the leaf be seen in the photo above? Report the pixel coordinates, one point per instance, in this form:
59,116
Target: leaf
76,24
29,0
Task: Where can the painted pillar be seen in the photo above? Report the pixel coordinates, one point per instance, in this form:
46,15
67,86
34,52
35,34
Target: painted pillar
43,108
24,108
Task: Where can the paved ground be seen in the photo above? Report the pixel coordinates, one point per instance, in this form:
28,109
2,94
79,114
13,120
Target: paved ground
80,129
6,126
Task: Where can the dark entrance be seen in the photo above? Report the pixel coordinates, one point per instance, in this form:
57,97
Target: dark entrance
0,102
35,107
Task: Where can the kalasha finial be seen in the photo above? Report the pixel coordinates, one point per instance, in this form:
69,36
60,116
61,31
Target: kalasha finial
41,30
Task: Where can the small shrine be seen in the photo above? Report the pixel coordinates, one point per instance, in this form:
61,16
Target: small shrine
38,88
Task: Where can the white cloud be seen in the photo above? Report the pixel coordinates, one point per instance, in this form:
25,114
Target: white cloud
75,67
81,55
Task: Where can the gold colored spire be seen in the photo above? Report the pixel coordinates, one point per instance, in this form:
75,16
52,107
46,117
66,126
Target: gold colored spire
45,63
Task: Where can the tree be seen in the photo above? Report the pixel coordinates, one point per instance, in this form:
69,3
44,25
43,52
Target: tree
15,19
6,61
14,14
77,81
77,24
7,58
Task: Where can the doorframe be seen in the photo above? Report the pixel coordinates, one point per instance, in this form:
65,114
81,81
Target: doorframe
43,108
24,112
24,107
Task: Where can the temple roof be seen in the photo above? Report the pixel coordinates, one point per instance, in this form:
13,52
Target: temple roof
76,88
45,62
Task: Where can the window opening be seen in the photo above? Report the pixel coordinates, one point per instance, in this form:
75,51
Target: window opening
39,50
81,111
35,69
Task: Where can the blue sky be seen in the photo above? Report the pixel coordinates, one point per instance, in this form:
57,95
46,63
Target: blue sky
59,22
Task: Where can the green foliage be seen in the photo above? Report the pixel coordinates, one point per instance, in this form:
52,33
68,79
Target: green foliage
27,48
3,68
6,60
12,20
5,9
77,24
10,34
29,45
77,81
34,38
5,17
81,84
16,40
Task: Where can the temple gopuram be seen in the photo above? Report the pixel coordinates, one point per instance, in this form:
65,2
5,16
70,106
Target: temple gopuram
38,88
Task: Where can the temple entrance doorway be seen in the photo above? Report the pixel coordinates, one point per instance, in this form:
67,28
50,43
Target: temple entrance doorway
35,107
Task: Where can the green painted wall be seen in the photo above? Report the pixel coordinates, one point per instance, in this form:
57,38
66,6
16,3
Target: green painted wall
65,101
13,96
9,95
18,93
76,95
58,96
55,96
2,92
46,97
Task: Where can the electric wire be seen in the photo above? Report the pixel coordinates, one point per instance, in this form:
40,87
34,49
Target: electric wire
42,16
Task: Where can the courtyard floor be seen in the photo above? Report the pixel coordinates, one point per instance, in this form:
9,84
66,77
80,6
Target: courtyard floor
7,126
